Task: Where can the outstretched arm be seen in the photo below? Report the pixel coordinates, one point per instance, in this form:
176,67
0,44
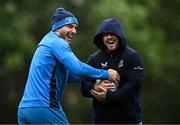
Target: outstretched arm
64,54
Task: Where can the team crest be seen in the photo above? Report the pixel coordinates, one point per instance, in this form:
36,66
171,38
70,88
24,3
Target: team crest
121,63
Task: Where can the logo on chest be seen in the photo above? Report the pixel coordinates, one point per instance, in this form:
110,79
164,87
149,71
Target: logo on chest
104,65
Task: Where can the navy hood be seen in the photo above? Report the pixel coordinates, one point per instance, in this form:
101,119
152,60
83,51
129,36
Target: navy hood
111,25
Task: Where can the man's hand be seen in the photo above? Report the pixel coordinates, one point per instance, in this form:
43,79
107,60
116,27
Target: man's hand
100,89
113,75
101,96
106,85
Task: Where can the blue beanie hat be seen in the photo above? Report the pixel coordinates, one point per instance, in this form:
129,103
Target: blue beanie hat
61,17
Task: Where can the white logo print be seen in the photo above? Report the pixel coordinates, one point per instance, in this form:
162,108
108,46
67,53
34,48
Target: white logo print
121,63
138,67
104,65
68,20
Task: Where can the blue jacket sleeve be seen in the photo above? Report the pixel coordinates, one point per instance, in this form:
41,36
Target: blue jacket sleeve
135,76
72,78
64,54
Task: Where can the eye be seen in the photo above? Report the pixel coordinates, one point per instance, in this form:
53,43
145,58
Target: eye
75,27
72,26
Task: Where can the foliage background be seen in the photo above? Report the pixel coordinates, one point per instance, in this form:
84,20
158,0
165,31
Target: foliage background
152,28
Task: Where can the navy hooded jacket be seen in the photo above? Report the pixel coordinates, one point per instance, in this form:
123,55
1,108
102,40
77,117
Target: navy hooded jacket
123,105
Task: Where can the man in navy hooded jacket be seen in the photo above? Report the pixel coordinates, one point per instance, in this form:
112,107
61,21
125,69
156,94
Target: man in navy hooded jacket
123,104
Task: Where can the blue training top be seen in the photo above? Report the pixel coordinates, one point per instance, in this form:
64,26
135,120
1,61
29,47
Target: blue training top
51,65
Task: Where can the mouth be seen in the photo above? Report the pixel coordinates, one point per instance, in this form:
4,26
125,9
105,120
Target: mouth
69,37
110,42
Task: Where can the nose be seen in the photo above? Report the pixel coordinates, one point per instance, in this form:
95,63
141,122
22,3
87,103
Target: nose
109,35
74,31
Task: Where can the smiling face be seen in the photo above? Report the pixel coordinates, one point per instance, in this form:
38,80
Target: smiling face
110,41
67,32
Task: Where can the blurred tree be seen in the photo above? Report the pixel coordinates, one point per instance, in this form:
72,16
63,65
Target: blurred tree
152,27
22,23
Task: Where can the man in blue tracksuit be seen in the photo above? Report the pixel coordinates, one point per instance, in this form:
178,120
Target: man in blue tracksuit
123,104
52,66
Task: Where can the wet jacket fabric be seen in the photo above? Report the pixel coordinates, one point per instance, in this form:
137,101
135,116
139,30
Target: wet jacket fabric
123,105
